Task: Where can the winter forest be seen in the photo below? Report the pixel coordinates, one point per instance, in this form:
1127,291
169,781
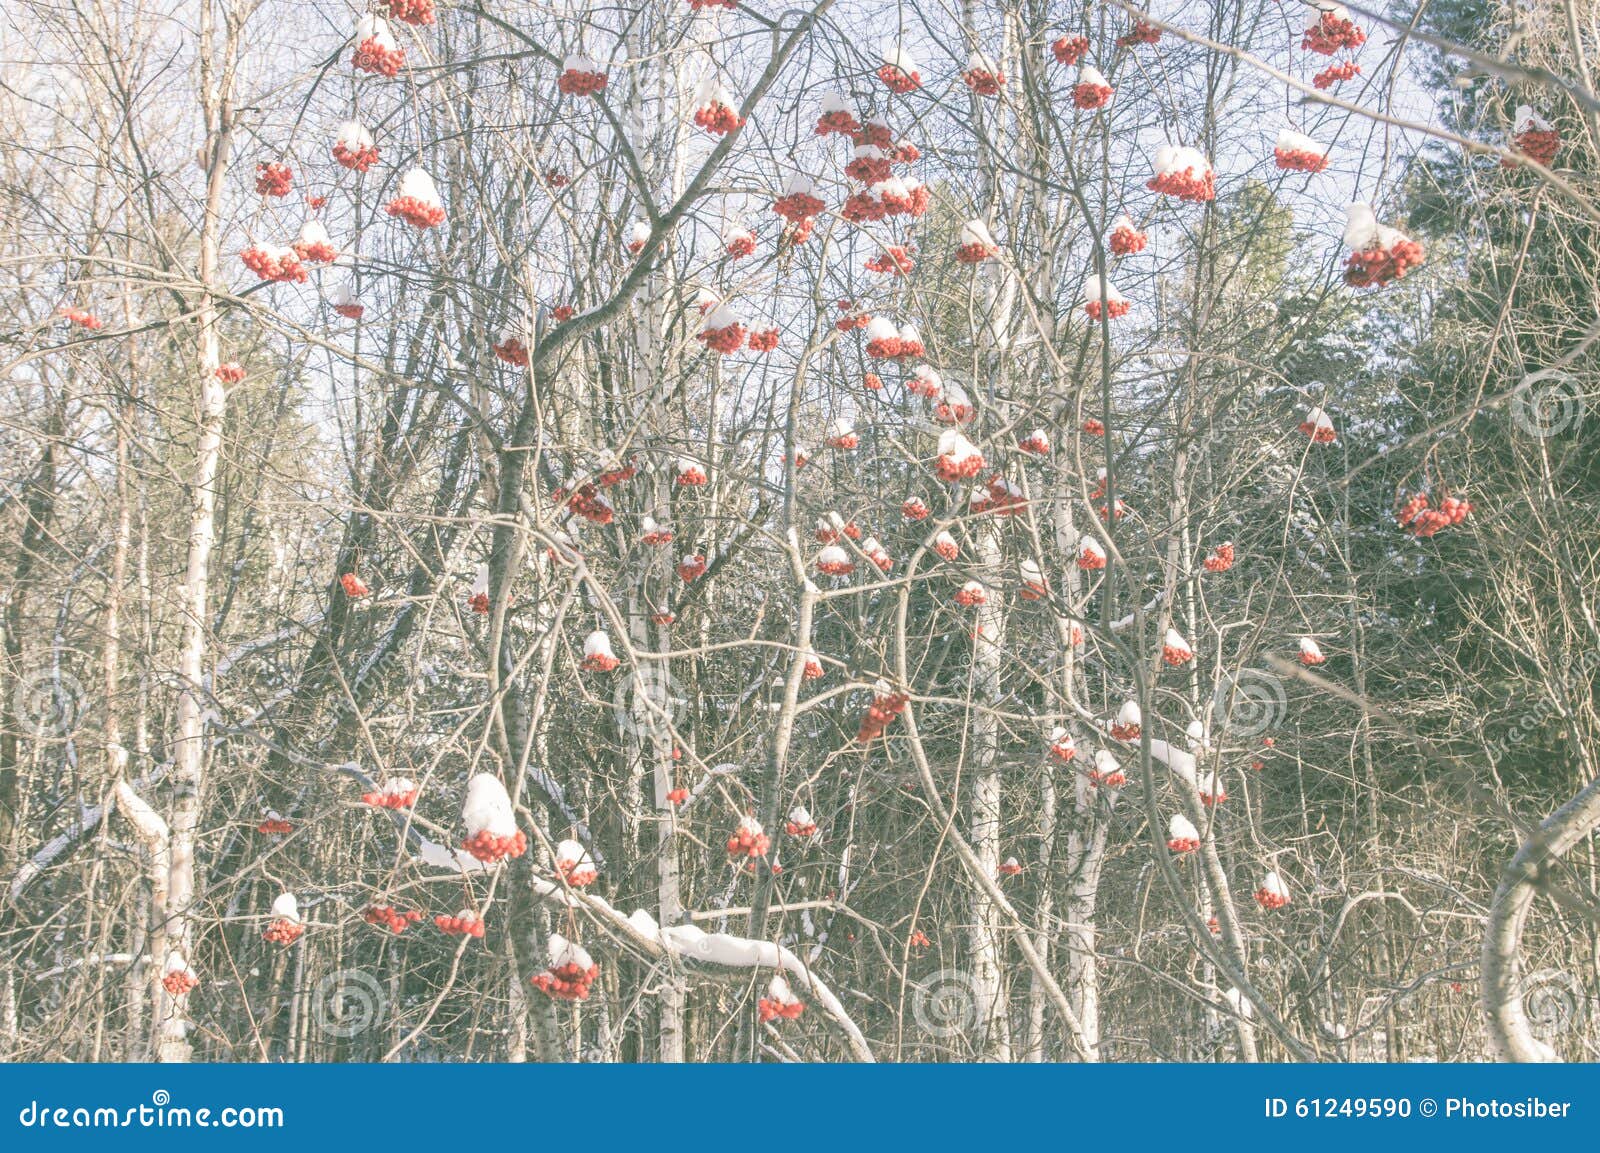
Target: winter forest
707,530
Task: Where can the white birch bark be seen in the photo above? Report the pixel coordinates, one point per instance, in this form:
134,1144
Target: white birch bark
216,66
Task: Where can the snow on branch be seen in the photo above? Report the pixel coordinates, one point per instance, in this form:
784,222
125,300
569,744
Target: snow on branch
712,952
89,818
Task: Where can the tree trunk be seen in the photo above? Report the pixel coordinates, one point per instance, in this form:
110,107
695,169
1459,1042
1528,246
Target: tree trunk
189,748
1511,1037
992,1029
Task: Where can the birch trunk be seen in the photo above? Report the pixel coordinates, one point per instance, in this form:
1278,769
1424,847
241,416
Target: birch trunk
1511,1036
992,1030
1085,854
1038,999
672,92
188,772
